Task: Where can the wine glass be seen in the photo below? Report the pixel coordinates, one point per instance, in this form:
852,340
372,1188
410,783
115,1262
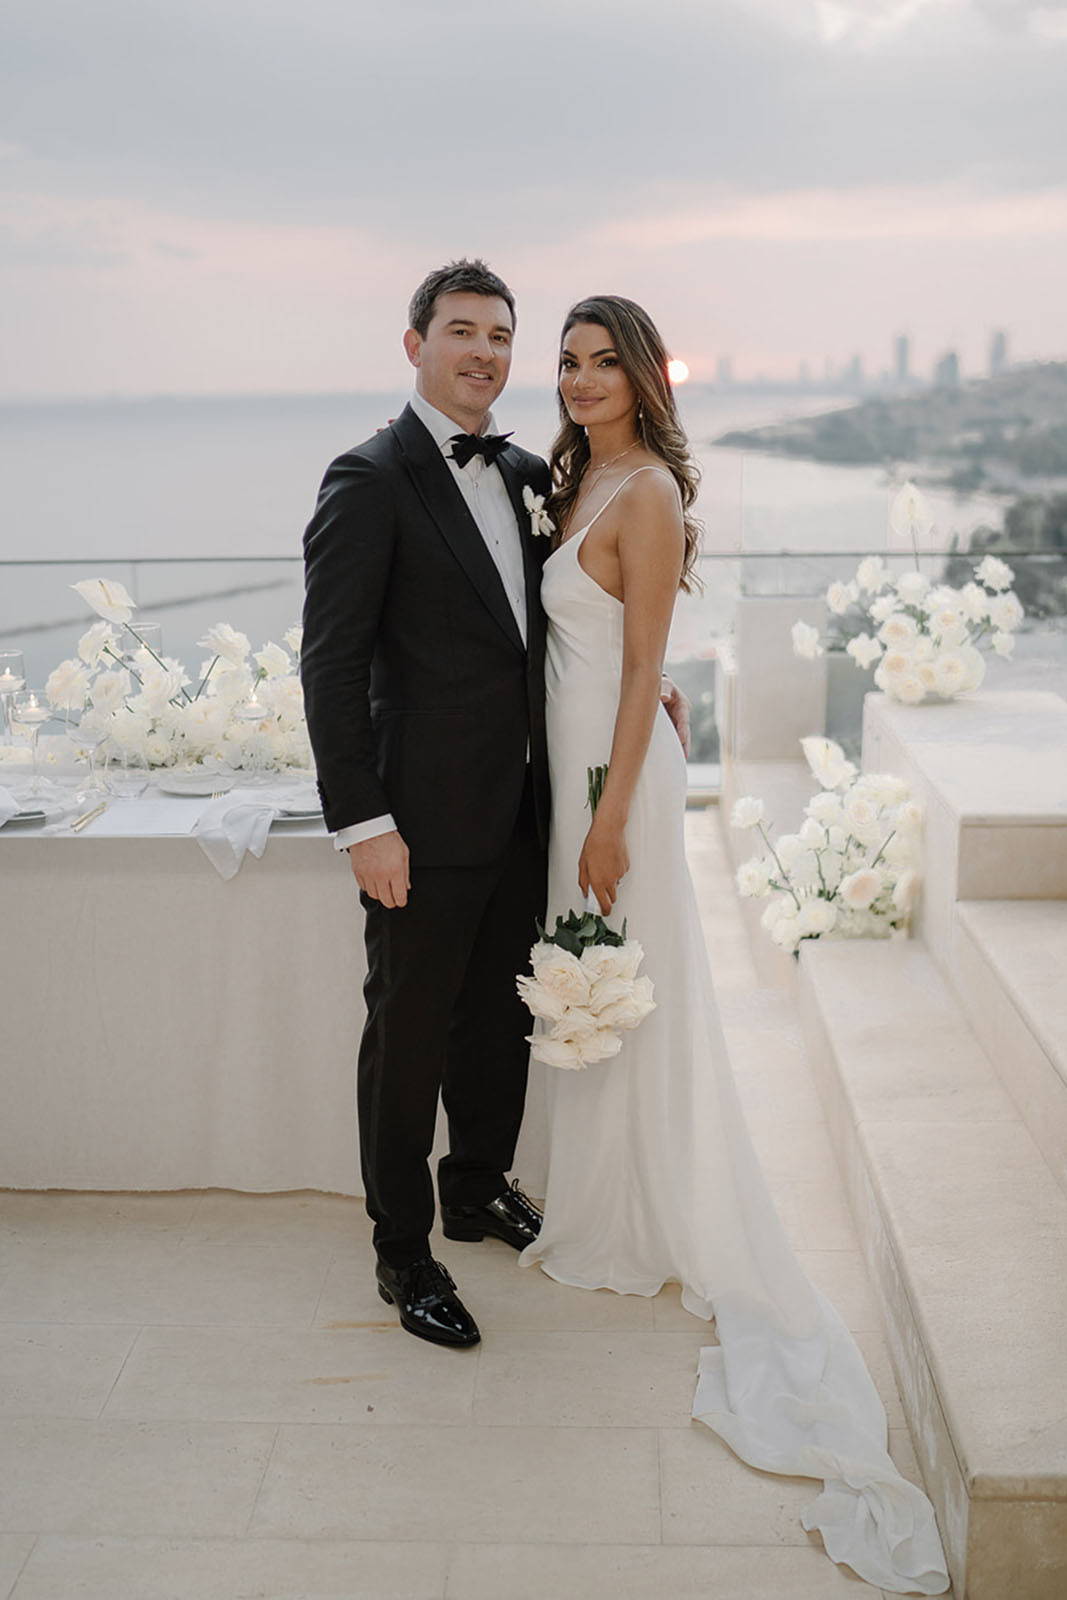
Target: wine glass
30,710
12,678
87,731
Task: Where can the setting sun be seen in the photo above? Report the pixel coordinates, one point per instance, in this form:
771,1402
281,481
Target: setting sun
677,371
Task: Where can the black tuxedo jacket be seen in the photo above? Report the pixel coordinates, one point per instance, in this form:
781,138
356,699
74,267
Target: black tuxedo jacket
421,698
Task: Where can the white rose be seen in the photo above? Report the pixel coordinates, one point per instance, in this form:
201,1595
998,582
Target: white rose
612,960
883,607
994,574
159,686
224,641
555,1052
832,865
899,631
827,761
871,574
948,627
910,815
109,689
1003,643
67,685
94,641
157,749
863,649
273,659
107,597
911,586
130,732
884,788
941,598
862,815
816,916
975,602
779,906
563,974
839,596
294,638
910,691
747,812
825,808
631,1007
906,890
786,933
789,849
951,673
754,877
860,888
804,871
806,641
896,664
230,685
576,1025
813,833
1005,612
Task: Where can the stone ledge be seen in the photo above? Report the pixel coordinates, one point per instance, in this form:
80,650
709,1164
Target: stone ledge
965,1234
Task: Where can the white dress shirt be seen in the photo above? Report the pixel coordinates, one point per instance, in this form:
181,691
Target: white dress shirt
488,502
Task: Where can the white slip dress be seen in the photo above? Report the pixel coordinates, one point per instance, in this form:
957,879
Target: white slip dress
652,1177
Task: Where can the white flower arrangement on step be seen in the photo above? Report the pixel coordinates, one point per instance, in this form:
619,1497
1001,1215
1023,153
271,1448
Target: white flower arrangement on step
851,872
247,710
921,638
585,985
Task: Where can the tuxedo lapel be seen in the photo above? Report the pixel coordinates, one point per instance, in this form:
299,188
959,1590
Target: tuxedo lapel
441,496
532,556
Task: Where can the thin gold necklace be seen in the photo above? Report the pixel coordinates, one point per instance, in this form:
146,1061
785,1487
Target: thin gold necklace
606,464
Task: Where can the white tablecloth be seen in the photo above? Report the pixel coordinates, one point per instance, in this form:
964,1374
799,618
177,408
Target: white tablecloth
164,1029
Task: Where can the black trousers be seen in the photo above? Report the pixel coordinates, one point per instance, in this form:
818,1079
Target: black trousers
444,1017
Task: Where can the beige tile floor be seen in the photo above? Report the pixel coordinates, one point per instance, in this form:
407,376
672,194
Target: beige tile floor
203,1398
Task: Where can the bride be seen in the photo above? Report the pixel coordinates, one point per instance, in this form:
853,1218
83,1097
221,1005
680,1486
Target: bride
652,1177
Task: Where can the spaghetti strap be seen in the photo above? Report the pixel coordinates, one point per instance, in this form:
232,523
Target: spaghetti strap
616,489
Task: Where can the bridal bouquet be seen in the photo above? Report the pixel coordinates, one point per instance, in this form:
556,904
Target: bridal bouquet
585,985
851,872
921,638
246,710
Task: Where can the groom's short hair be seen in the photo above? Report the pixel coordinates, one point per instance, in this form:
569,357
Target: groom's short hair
462,277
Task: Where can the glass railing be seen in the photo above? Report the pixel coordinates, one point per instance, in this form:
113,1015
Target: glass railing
42,616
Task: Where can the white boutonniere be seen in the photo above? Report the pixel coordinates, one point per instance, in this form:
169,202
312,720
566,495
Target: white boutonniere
540,521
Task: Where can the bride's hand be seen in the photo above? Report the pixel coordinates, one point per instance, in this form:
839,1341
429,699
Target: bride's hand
602,863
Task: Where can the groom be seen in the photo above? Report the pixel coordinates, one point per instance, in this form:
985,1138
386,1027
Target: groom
423,673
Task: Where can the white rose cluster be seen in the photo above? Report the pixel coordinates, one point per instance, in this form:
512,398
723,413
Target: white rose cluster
586,1000
922,639
147,704
851,869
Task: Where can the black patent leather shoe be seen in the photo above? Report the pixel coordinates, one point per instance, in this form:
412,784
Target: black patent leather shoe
511,1217
425,1296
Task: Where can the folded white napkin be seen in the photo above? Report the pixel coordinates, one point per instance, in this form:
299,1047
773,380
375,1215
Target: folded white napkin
240,821
54,806
8,806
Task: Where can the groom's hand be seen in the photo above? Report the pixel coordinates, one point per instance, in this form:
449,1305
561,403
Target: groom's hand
381,868
677,709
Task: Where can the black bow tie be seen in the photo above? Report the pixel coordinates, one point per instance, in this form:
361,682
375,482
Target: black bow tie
487,445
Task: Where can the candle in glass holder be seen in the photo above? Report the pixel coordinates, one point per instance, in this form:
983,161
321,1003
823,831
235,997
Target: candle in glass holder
31,711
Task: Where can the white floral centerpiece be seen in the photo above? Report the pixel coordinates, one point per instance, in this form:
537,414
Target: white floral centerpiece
851,872
922,638
585,985
246,710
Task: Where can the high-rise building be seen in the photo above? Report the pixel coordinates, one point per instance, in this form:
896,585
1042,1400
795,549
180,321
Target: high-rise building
947,371
902,358
998,353
854,372
724,371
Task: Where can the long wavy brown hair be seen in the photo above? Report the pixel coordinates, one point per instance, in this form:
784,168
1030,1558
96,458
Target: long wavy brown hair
643,356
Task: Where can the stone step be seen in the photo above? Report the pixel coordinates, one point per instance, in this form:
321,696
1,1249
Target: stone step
1009,969
991,774
964,1229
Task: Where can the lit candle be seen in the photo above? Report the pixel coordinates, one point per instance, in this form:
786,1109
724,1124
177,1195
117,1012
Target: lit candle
8,681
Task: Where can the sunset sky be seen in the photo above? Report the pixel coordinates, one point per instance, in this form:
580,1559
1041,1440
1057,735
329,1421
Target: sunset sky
239,195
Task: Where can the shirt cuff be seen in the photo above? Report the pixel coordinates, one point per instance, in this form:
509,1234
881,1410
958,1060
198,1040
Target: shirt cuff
359,831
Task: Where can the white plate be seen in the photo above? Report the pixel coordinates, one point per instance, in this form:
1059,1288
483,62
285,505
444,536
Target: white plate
195,786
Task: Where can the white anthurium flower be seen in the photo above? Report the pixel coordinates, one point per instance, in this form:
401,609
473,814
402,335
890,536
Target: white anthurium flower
911,586
806,641
274,661
883,608
67,685
816,917
995,574
224,641
1005,612
94,641
906,890
541,523
872,574
827,761
911,520
864,650
294,638
107,597
899,631
747,812
109,689
1003,643
860,888
839,596
753,877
